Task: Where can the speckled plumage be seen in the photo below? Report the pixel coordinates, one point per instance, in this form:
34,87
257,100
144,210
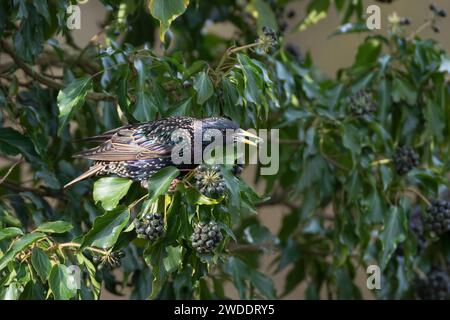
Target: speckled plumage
137,151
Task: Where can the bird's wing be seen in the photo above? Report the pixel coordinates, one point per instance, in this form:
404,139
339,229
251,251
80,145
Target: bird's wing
126,144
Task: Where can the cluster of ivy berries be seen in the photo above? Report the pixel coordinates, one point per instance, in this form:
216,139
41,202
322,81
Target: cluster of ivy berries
206,237
405,159
362,103
437,221
268,40
436,286
209,180
438,13
109,261
150,226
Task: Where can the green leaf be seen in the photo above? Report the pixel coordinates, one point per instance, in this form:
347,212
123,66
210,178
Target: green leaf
159,183
13,143
402,89
145,108
166,11
106,228
393,233
316,11
264,15
10,232
263,284
55,227
62,283
203,86
154,256
18,246
71,98
435,119
110,190
173,259
252,79
41,263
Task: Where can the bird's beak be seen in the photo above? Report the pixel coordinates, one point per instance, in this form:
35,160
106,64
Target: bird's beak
245,137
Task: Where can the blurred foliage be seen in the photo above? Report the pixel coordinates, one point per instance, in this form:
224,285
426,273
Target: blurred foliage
348,207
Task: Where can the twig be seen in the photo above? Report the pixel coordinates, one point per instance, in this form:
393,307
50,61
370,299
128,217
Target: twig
96,96
41,192
10,170
419,194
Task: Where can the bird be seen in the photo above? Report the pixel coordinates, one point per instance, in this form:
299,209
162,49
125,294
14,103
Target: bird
137,151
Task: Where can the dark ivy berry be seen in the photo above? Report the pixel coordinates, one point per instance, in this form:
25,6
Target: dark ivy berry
290,14
150,226
436,286
437,221
435,29
209,180
206,237
237,169
405,21
442,13
362,103
433,7
405,159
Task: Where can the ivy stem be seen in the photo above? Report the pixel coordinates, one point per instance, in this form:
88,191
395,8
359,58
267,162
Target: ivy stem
425,25
232,50
419,194
380,162
78,245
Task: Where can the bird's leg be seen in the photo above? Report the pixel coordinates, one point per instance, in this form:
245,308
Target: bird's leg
144,184
174,184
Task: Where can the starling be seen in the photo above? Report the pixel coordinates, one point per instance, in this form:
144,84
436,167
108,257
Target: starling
137,151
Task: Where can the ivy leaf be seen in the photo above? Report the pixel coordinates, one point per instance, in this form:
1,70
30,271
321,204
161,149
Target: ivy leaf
159,183
61,283
55,227
403,90
18,246
392,234
12,143
10,232
154,256
435,119
106,228
203,86
316,11
41,263
166,11
173,259
264,15
110,190
71,98
145,108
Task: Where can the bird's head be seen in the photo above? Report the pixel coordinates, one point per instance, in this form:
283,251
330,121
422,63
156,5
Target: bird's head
226,126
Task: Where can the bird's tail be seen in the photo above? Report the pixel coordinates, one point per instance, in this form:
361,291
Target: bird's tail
92,171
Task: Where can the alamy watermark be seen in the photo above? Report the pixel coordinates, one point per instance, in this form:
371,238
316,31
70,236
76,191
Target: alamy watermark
374,277
216,146
73,11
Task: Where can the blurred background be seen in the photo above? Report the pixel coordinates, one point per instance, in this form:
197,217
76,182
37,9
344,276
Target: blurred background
329,55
